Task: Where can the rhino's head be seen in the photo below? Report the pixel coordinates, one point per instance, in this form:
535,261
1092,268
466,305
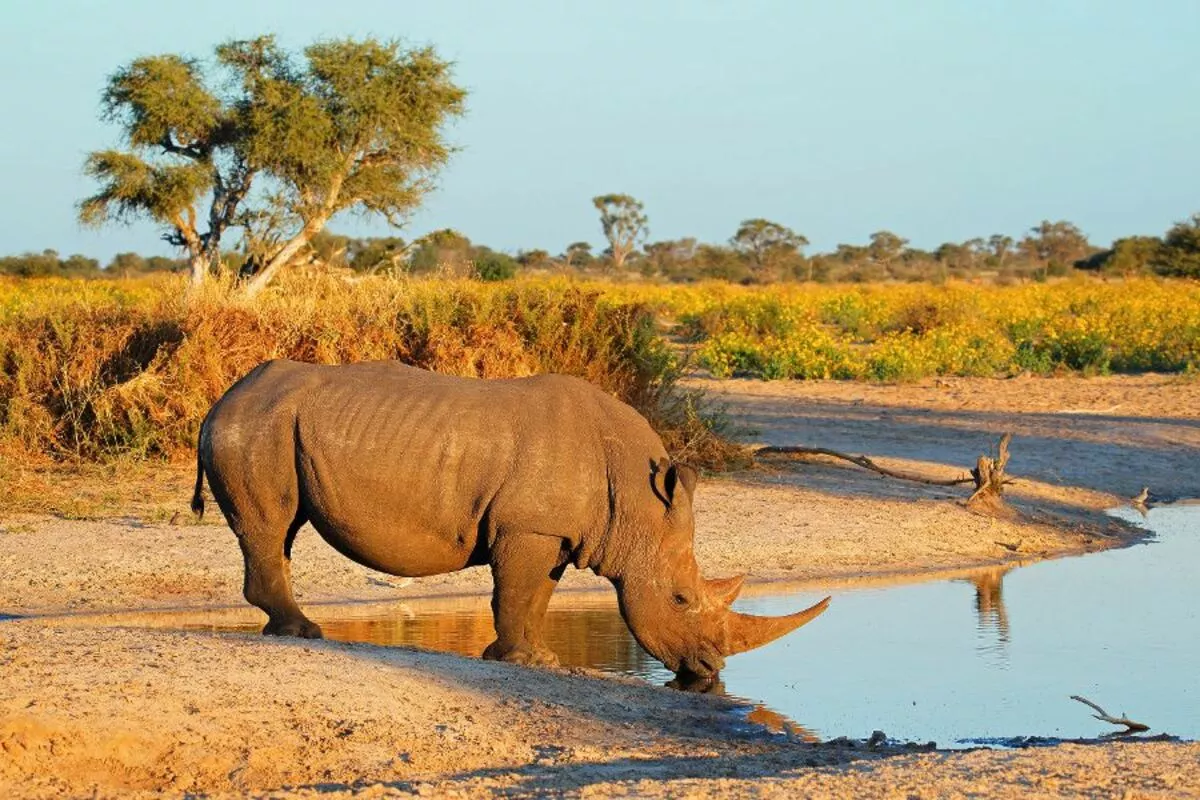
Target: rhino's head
677,615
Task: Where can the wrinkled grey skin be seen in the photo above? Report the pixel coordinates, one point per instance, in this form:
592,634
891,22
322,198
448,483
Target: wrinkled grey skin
413,473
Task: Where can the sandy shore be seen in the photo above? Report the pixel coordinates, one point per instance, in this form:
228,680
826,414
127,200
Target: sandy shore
86,707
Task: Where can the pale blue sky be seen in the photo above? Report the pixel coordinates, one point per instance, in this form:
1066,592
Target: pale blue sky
937,119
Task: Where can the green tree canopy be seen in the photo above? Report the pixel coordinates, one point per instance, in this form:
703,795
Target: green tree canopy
1058,244
578,254
271,144
624,224
1180,252
885,247
48,263
767,245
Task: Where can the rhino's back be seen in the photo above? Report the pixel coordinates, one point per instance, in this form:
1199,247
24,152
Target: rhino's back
397,464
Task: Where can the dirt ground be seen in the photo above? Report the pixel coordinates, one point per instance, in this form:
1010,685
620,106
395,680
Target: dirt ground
89,706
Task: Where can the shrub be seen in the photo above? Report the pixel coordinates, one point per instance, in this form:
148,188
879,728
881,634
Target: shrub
89,371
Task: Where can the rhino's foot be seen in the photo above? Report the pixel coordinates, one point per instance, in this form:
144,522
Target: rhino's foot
521,654
301,628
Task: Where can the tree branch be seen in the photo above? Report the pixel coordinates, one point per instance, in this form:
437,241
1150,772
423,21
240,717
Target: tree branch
190,151
1103,716
861,461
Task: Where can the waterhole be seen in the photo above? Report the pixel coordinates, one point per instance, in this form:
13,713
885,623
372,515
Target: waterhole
984,657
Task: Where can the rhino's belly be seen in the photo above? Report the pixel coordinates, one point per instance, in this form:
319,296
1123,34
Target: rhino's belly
398,548
394,527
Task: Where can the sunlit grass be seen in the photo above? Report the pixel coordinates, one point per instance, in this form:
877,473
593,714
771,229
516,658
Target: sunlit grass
98,370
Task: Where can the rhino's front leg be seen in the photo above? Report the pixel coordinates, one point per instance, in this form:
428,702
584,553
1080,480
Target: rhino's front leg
525,570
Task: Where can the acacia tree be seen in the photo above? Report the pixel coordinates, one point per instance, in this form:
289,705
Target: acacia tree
766,244
623,222
1058,244
885,247
353,125
1000,247
577,254
1180,252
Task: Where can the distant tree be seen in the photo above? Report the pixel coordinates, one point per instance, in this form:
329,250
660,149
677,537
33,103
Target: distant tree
721,263
126,264
535,259
624,224
578,254
356,125
767,245
164,264
1055,244
378,254
441,249
962,257
1000,247
492,266
1127,257
850,253
1179,255
47,264
672,258
330,248
953,256
885,247
130,264
915,255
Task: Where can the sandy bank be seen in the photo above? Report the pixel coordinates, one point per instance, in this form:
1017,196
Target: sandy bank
88,709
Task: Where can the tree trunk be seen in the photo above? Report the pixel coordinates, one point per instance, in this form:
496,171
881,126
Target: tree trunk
618,258
282,258
199,263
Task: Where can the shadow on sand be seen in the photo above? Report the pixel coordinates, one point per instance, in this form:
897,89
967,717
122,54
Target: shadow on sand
1104,452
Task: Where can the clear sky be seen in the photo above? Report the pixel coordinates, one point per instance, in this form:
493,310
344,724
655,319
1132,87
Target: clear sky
937,119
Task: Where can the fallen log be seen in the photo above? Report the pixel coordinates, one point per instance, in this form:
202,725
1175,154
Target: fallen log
861,461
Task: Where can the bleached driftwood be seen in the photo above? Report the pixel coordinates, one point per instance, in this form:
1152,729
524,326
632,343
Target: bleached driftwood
1104,716
988,475
861,461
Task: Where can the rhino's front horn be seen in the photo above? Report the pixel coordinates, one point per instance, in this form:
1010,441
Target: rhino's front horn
724,590
747,631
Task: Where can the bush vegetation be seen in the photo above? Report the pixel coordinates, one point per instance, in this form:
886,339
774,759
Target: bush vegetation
101,369
904,332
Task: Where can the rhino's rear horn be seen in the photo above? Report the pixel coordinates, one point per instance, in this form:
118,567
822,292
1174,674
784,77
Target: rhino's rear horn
747,631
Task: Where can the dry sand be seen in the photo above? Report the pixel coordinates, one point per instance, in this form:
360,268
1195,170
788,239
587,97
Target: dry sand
86,707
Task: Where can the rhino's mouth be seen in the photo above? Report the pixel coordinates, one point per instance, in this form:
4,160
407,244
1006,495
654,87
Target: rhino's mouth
702,665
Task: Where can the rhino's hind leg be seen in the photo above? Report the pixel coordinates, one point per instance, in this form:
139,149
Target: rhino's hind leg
525,570
266,549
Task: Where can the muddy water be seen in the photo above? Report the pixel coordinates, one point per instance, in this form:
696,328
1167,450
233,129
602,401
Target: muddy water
996,654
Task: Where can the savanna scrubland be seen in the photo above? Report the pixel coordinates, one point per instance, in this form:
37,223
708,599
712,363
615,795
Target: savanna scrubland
241,159
105,382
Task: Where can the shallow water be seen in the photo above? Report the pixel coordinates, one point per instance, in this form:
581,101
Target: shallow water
995,655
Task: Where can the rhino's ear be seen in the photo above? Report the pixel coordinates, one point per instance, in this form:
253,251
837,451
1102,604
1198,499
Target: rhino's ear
666,480
687,477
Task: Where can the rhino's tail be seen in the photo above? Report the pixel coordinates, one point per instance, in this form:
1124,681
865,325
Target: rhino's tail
198,494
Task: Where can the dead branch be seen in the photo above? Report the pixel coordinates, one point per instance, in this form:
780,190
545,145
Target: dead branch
1103,716
989,472
861,461
989,482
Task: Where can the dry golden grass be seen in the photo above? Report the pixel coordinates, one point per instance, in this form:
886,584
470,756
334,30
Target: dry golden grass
103,370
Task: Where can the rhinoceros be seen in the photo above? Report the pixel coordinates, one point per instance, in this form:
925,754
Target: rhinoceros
414,473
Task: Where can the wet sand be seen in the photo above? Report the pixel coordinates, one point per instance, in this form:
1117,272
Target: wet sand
87,708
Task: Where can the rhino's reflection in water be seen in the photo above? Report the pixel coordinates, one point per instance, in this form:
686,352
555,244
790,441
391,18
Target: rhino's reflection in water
591,634
935,660
583,635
